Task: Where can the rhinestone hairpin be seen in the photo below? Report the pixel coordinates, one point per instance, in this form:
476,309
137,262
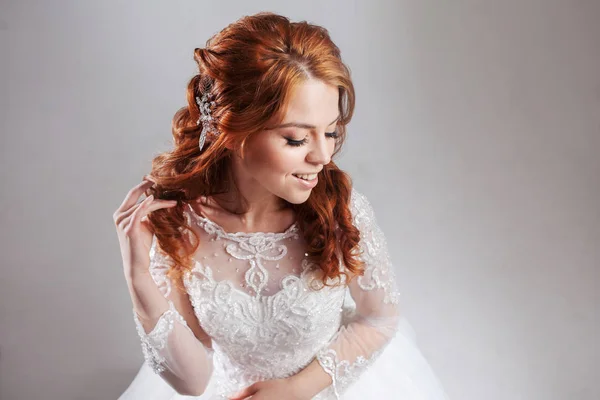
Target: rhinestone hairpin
205,118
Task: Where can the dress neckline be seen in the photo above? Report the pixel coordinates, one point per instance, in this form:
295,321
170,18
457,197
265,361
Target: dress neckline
291,228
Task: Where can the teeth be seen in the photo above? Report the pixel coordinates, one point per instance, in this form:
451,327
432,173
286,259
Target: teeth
309,177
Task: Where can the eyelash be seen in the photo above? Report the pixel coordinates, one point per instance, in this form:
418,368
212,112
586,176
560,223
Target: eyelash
298,143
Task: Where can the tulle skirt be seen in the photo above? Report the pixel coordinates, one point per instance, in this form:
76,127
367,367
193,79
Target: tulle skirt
401,372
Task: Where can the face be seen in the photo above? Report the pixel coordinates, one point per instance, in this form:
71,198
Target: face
284,160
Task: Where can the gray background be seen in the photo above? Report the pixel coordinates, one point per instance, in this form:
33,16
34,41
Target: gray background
476,138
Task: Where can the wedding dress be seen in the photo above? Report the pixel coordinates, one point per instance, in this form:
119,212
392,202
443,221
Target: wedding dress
260,301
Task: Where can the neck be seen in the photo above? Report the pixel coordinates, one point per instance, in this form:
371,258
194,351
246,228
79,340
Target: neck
260,203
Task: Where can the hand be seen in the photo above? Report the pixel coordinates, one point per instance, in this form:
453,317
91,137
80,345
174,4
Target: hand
274,389
133,228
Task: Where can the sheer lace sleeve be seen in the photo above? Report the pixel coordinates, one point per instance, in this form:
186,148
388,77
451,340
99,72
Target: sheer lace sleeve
360,341
171,348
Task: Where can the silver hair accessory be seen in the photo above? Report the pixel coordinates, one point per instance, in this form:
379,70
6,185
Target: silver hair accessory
205,118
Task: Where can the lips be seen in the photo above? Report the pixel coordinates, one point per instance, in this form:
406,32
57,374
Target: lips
306,177
308,184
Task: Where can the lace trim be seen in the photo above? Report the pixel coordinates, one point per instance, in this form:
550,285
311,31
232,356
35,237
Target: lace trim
256,247
156,340
212,227
159,266
327,360
379,272
343,373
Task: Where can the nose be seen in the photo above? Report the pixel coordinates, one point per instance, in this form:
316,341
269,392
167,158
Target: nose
320,152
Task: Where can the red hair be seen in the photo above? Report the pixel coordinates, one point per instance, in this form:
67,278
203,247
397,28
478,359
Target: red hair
251,68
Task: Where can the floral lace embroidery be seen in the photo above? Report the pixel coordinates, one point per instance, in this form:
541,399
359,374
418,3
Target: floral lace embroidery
253,247
378,276
343,373
327,359
159,266
257,337
378,266
156,340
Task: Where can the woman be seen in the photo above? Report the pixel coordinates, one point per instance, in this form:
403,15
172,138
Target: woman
254,268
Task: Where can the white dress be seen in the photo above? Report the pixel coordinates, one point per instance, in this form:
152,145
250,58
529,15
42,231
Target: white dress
255,296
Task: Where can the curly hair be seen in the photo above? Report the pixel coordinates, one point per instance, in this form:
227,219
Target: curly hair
251,68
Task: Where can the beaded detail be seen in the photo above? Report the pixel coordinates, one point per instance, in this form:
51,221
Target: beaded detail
256,248
379,281
343,373
156,340
260,335
254,295
378,265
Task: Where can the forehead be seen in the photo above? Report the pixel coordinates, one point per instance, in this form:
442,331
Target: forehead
313,102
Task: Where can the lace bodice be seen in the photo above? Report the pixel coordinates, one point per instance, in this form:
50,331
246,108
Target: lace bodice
267,313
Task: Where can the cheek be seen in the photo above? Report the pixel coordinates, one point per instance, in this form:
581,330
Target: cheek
331,147
268,161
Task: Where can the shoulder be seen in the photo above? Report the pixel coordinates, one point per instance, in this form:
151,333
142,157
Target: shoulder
358,199
361,208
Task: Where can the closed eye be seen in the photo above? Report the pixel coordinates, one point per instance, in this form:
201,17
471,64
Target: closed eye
297,143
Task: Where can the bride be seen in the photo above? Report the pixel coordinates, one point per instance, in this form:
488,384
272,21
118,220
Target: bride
255,268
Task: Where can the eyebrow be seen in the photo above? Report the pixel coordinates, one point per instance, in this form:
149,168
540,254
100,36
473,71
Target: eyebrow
301,125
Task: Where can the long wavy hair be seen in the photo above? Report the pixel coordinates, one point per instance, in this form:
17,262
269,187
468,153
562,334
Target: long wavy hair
251,68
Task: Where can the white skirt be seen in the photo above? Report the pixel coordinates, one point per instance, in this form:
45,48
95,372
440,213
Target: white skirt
401,372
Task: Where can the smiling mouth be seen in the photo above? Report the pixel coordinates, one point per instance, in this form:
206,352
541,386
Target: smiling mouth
306,177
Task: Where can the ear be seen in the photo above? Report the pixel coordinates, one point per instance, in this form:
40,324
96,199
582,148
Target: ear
231,146
236,149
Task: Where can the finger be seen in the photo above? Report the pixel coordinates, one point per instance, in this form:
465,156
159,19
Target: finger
129,216
124,217
157,205
149,178
149,205
134,194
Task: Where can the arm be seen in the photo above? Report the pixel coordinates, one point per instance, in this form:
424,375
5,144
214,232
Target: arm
173,343
358,343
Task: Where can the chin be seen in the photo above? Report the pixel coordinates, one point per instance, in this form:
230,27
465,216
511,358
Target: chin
298,198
